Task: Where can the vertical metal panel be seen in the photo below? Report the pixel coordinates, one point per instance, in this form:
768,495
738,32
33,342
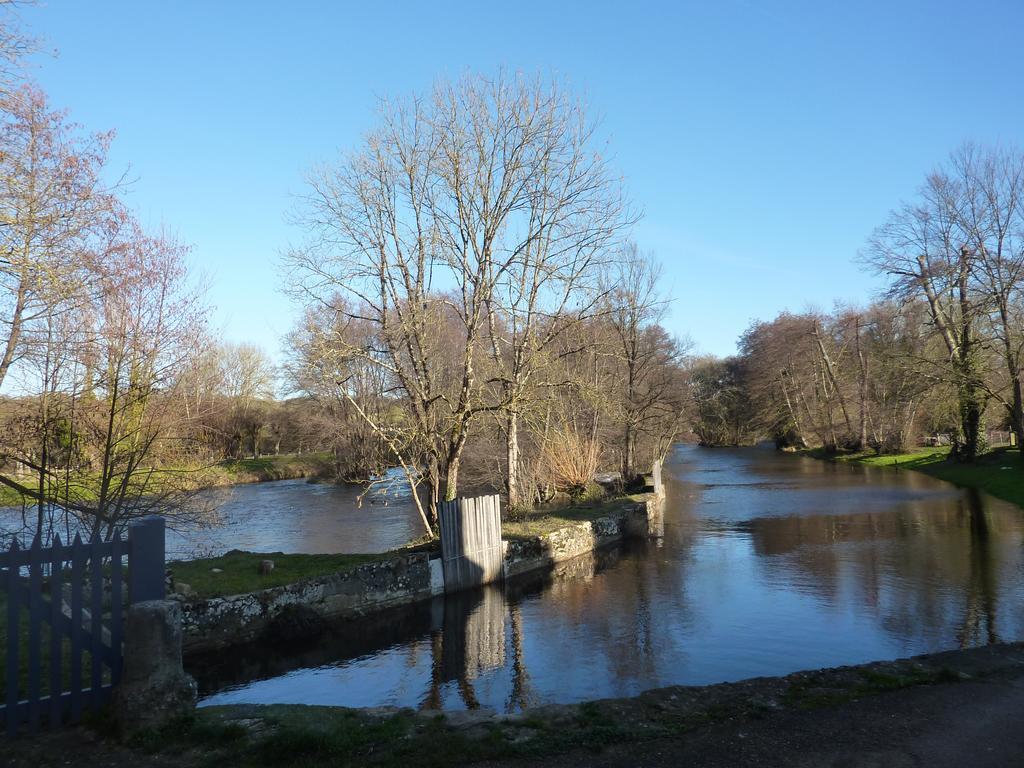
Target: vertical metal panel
146,556
471,542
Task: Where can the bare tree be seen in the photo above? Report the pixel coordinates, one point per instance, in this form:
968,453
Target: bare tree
14,45
986,194
482,186
52,203
652,388
249,383
117,392
571,213
959,249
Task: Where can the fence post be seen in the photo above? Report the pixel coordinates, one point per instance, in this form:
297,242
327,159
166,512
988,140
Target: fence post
146,566
154,688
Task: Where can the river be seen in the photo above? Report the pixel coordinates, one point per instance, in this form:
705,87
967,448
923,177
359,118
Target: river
279,516
769,564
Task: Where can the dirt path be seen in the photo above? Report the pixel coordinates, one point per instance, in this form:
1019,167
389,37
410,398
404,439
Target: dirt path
961,708
955,725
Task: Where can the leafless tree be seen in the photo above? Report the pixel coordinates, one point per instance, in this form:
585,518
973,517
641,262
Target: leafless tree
652,390
959,247
486,186
52,203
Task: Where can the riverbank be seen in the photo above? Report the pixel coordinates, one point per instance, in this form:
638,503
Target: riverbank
237,572
268,468
221,474
945,709
999,473
229,601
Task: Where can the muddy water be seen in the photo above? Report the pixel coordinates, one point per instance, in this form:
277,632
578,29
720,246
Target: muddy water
769,564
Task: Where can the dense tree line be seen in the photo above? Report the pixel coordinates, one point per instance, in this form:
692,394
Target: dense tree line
940,354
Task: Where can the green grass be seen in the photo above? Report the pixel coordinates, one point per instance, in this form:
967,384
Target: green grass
292,735
999,472
231,472
276,467
543,520
303,736
240,572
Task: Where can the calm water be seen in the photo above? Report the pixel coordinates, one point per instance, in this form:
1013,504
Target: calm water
300,516
769,564
282,516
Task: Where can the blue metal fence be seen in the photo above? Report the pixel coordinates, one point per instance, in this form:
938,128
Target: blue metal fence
64,614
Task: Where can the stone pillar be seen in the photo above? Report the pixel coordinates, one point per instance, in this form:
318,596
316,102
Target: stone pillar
154,687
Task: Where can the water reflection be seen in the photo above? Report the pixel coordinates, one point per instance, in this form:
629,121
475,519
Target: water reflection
768,564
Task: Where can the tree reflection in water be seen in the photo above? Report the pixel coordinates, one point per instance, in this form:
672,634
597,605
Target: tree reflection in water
768,564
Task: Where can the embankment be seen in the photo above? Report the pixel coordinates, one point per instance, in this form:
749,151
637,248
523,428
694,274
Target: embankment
218,622
999,472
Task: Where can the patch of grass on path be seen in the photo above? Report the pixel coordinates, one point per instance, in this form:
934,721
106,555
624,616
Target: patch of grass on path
999,472
281,736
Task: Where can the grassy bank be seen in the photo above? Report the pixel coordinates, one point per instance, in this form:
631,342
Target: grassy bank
272,468
231,472
543,520
237,573
999,472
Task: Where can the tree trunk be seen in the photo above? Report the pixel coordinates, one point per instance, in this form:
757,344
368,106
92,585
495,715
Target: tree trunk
1017,419
512,460
970,418
862,438
629,455
451,480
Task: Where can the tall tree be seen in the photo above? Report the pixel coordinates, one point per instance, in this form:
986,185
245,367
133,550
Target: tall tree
651,388
985,191
483,184
957,249
52,204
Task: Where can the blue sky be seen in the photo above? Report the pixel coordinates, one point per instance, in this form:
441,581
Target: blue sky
764,141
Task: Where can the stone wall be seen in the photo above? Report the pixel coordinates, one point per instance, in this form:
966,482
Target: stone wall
643,520
223,621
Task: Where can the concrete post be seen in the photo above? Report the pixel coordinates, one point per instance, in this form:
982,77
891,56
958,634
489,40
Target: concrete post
146,566
659,488
154,687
